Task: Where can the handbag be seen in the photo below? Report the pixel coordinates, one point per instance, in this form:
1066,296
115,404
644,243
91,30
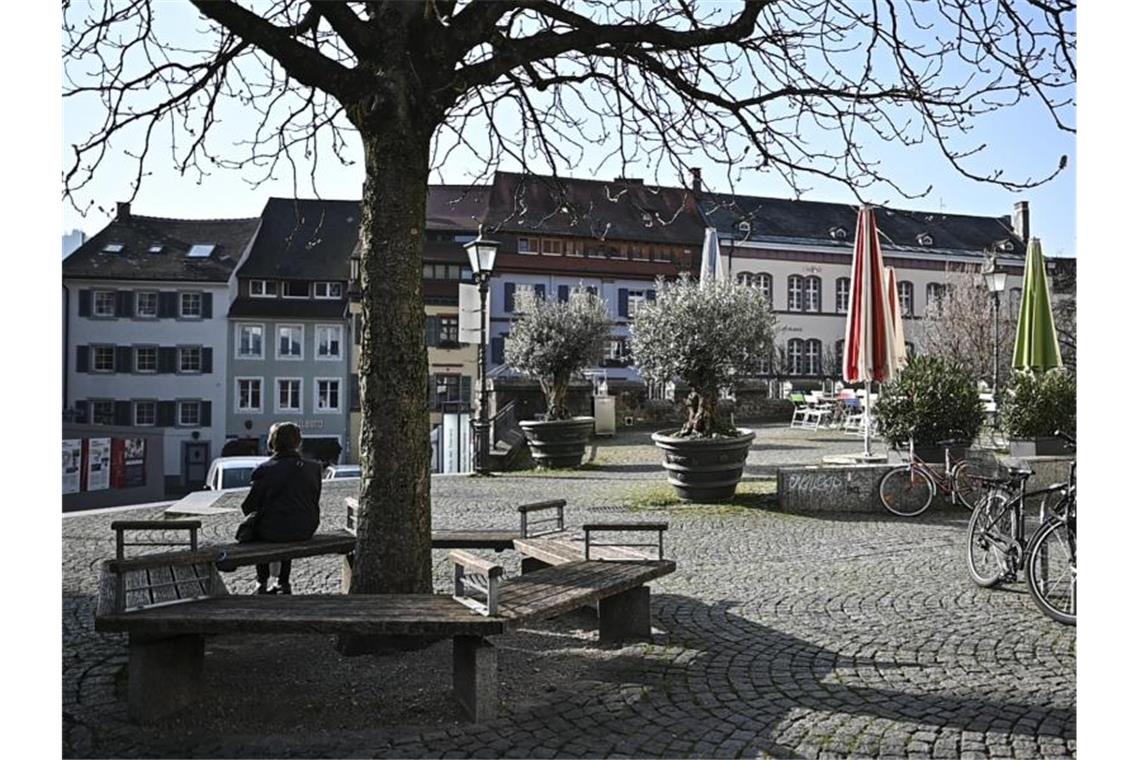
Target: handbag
247,529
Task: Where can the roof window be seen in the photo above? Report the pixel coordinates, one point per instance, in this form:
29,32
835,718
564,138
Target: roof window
925,239
156,248
201,250
837,233
113,248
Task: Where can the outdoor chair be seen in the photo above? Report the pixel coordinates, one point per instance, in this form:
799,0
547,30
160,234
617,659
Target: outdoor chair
799,413
853,420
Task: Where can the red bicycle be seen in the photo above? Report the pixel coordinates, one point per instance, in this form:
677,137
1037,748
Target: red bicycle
908,490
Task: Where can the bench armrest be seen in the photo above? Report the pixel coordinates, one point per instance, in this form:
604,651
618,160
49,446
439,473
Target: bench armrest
479,575
527,524
122,526
614,527
353,506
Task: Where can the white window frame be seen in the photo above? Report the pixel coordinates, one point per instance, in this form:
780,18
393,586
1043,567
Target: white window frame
842,305
906,298
533,245
183,404
277,408
237,340
135,360
238,408
93,402
178,360
327,286
94,362
763,281
795,348
317,395
795,287
182,304
339,341
634,300
555,243
138,300
95,303
813,286
264,290
135,412
809,369
277,342
284,286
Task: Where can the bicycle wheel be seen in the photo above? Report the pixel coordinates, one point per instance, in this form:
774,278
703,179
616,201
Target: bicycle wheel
906,491
988,538
965,483
1051,572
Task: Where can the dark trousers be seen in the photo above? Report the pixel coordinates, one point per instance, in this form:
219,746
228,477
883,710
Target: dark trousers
282,577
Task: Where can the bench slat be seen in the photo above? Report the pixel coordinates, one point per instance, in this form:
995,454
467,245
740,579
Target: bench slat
556,590
560,551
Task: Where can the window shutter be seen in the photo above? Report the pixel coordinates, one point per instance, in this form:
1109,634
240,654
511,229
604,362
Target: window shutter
623,302
207,305
354,393
164,415
540,291
167,305
85,303
651,295
563,293
122,412
357,328
465,389
204,409
431,391
82,359
509,296
123,359
207,360
497,350
125,304
167,359
81,411
592,290
433,329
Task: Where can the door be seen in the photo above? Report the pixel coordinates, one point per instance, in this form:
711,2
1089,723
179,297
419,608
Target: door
195,460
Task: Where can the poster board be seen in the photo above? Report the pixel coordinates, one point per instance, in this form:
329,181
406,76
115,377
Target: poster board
469,314
98,464
128,462
72,464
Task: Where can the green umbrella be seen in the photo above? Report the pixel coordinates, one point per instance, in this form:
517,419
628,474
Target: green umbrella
1036,346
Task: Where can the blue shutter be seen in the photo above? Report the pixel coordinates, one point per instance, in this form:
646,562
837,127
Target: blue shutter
204,409
165,414
123,355
85,303
167,305
167,359
540,292
592,290
563,293
207,305
207,360
497,345
509,296
623,302
465,389
124,303
81,411
123,413
651,295
82,358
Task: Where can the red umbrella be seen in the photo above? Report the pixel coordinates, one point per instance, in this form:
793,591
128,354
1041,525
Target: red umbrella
868,348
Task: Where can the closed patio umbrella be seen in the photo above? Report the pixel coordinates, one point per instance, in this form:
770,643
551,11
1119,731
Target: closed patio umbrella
1036,346
710,257
868,347
898,339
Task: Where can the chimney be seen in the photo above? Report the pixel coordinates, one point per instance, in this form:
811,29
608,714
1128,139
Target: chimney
1021,220
123,210
695,173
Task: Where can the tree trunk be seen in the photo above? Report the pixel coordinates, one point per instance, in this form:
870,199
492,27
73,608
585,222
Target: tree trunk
393,545
704,417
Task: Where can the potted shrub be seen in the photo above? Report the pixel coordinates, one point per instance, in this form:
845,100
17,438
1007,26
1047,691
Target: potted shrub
708,336
1035,406
932,399
551,342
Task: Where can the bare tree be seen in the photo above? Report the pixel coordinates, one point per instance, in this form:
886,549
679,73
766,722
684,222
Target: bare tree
804,88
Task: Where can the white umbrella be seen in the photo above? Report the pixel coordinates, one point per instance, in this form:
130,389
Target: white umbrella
710,257
897,338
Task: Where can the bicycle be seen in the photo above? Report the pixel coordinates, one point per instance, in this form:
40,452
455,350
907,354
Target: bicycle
908,490
1051,557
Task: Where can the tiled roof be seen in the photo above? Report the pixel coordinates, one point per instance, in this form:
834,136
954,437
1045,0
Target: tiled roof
456,207
617,210
812,222
173,237
304,239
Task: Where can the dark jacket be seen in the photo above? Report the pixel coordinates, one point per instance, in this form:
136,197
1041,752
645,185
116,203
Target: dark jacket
286,493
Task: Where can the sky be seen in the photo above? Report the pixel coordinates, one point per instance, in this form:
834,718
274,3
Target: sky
1020,140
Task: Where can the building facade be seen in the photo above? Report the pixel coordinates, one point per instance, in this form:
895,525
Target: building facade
145,302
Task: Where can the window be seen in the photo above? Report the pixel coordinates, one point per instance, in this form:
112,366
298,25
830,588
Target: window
447,390
640,252
190,306
289,341
934,293
113,248
909,349
201,251
328,395
552,246
103,412
263,288
249,341
146,359
813,354
744,278
328,290
446,272
527,245
248,394
189,413
295,289
573,247
103,303
328,341
795,293
636,299
661,253
145,412
449,329
839,355
190,359
1014,301
812,288
906,298
617,352
102,358
842,294
763,281
288,394
146,304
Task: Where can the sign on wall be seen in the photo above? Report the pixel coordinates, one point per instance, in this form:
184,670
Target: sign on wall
72,464
98,464
128,462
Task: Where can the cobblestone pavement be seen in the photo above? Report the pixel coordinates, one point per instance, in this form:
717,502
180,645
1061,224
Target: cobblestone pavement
780,635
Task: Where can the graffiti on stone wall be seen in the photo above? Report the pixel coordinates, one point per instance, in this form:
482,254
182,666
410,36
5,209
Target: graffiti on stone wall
816,483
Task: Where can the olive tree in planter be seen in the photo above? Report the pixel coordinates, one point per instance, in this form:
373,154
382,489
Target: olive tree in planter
1036,406
933,399
708,335
551,342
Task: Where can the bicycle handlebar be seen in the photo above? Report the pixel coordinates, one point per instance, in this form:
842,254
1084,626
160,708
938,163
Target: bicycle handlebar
1066,437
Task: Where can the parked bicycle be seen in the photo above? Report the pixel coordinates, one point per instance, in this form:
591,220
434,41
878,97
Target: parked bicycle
908,490
997,550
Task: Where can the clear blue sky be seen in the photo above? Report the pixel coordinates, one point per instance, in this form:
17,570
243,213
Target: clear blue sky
1022,141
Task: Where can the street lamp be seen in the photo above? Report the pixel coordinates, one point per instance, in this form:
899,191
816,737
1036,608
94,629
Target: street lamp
481,253
995,283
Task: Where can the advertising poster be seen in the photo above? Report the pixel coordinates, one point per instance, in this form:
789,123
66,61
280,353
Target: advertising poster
98,464
72,463
128,462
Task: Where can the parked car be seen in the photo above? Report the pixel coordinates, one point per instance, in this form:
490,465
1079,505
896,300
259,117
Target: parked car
338,471
231,472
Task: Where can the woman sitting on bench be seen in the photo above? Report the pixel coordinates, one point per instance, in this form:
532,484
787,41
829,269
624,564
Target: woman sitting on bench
283,504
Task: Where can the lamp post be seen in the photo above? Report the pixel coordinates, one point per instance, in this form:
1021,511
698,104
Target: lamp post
481,252
995,283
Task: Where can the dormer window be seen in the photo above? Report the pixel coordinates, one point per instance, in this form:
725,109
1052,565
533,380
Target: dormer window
295,289
1005,245
200,250
329,290
156,248
647,218
113,248
263,288
925,239
745,228
837,233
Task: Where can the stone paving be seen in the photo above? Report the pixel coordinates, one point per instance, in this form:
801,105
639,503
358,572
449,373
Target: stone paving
785,635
